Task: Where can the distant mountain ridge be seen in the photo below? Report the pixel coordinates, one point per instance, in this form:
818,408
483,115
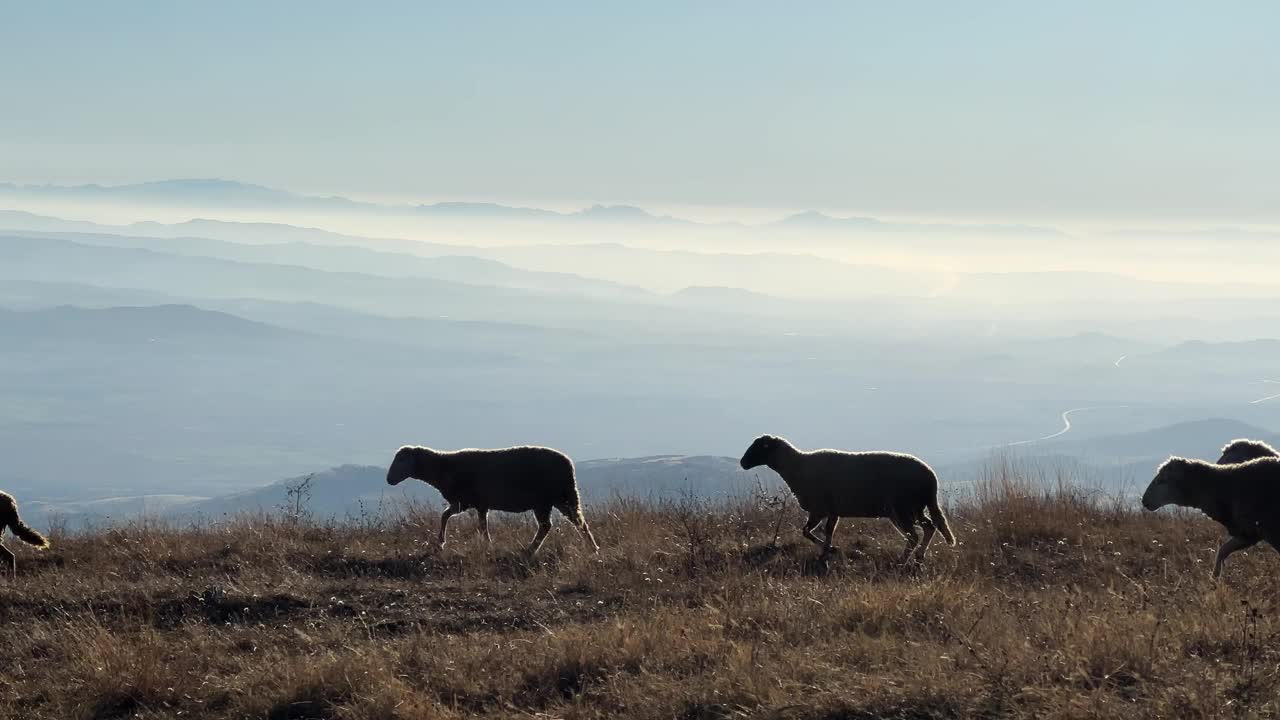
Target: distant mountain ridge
183,191
469,269
216,192
1202,439
131,324
616,271
815,220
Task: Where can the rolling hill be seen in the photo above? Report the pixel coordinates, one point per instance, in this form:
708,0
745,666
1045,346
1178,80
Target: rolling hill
350,491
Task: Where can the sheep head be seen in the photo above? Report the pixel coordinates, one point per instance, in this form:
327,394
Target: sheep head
402,466
1167,486
760,452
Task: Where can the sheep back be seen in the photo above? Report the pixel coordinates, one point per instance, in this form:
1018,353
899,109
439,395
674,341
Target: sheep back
1249,493
864,484
1239,451
516,479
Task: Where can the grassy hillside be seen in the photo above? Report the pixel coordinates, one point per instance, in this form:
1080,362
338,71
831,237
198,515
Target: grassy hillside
1054,605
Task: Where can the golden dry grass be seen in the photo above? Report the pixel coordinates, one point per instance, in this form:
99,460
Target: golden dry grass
1054,605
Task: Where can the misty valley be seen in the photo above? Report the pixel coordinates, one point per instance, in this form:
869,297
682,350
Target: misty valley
199,365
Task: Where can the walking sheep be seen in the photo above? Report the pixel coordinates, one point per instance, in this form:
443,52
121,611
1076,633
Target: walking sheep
1244,498
1238,451
9,519
832,484
516,479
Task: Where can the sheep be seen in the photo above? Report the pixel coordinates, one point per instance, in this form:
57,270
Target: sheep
514,479
1238,451
832,484
24,532
1244,498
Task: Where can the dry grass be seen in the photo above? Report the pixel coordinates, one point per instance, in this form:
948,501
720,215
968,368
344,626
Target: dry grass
1054,605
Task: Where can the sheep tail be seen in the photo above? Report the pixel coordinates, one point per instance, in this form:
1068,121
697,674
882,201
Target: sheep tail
939,521
25,532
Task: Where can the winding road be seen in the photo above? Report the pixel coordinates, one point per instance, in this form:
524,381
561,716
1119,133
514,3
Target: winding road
1066,416
1066,424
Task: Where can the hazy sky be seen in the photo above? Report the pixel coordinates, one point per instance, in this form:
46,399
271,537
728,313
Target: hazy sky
1156,110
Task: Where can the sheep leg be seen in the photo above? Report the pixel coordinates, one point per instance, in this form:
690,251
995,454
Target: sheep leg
929,531
10,560
586,535
544,527
483,525
1232,544
913,540
814,519
444,520
908,530
832,521
574,513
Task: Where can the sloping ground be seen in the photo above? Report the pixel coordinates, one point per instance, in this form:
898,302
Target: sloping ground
358,491
1052,606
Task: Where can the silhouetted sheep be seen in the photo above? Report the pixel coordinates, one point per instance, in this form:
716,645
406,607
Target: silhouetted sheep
516,479
1238,451
1244,497
9,519
833,484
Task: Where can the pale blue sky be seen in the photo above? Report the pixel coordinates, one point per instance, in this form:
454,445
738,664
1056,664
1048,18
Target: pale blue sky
1152,111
